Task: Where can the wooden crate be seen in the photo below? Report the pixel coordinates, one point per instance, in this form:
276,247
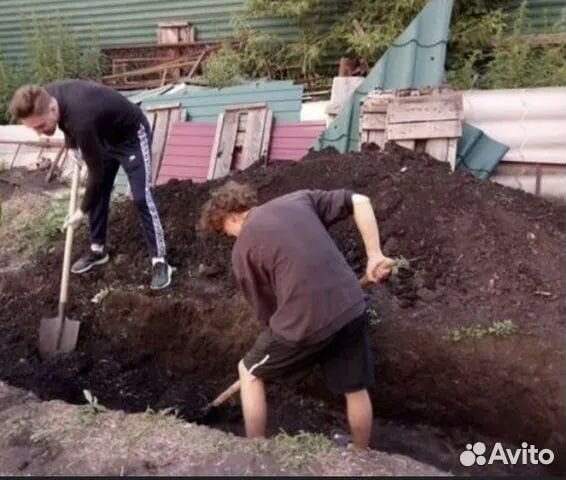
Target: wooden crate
175,32
422,120
373,118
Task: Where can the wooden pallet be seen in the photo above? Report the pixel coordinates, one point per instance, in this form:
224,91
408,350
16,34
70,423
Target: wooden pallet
422,120
160,118
242,138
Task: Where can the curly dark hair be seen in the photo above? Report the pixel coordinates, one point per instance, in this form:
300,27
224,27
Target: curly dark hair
232,197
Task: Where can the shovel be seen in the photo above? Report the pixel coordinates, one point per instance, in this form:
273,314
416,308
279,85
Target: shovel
207,410
59,334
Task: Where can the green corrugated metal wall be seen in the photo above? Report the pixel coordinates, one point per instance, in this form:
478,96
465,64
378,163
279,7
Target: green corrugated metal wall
119,22
544,16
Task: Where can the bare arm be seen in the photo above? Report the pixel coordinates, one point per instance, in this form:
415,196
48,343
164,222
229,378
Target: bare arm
379,266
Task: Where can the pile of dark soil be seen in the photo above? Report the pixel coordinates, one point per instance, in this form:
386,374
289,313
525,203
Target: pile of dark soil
478,253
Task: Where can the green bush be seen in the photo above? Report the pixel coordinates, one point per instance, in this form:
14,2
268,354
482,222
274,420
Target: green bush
486,48
223,69
40,230
52,53
8,83
510,61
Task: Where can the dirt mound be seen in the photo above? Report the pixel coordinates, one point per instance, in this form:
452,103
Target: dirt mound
469,335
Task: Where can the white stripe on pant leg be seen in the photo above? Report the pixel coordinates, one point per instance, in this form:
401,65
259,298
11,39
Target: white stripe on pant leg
258,364
157,228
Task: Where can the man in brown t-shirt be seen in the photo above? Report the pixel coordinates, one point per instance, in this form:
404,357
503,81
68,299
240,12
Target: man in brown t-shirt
302,289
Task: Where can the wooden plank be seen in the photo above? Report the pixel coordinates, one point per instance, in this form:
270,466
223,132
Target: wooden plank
159,138
432,95
452,152
264,152
242,122
246,106
178,115
13,161
215,147
251,152
54,163
370,107
240,139
198,62
150,116
162,106
373,121
177,63
377,137
409,144
437,148
413,131
399,112
227,143
46,143
377,104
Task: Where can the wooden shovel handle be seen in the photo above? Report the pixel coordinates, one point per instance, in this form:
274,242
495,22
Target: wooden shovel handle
69,236
226,394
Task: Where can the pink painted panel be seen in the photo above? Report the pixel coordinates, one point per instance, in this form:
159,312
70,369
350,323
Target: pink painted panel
188,149
292,141
187,152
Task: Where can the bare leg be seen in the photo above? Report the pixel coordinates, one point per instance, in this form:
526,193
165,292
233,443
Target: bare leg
254,404
360,417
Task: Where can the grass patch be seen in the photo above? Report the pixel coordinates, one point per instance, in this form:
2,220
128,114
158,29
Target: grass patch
297,451
92,406
497,329
35,232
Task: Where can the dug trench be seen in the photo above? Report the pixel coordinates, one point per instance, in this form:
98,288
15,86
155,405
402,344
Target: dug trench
468,337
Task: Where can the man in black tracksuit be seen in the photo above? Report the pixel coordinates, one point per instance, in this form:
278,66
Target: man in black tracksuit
106,131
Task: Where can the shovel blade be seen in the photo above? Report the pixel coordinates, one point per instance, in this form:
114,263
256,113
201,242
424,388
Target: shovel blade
57,335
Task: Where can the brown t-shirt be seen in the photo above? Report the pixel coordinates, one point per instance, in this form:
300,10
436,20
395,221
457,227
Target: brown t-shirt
291,271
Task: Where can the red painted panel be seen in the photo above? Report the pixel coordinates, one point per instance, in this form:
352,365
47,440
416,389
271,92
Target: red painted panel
292,141
187,153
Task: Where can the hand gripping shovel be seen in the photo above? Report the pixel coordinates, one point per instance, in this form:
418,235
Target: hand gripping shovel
59,334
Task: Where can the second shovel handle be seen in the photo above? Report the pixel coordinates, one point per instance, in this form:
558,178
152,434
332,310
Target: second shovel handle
226,394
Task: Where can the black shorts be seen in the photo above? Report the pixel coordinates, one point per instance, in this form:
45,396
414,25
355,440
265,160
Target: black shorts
346,358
